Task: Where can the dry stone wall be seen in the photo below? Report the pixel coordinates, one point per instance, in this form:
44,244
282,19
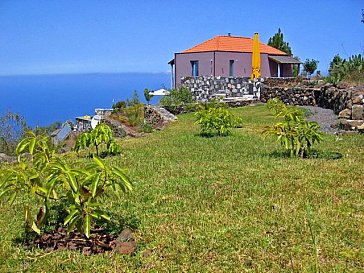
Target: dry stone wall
346,101
204,88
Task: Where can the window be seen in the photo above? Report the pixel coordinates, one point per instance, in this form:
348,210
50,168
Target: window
194,65
231,71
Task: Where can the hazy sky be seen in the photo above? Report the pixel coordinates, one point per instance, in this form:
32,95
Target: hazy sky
141,36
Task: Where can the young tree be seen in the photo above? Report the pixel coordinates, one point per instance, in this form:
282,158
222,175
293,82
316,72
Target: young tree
147,96
278,42
310,66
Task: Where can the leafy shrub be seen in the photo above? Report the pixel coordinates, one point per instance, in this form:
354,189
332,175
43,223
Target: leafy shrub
12,129
177,97
214,117
102,134
135,114
294,133
50,179
119,106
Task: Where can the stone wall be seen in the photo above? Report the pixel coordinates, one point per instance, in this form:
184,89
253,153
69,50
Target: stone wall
345,101
326,96
204,88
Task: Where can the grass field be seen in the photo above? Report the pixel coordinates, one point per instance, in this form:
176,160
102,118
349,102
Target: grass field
223,204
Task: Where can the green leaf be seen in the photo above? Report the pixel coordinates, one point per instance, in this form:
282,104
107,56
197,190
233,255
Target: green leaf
12,197
70,216
22,146
99,161
72,182
87,225
126,181
72,223
102,214
95,184
32,145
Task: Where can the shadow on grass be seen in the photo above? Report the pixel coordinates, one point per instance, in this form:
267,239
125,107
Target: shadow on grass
313,154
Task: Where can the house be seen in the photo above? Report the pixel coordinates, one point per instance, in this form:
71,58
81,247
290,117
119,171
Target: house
229,56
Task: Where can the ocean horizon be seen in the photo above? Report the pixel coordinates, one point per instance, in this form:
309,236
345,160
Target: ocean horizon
44,99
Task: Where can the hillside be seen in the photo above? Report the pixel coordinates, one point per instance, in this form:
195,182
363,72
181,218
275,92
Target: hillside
223,204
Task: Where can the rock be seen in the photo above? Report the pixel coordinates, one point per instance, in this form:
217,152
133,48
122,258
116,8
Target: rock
7,158
346,114
357,112
355,123
125,247
125,243
125,236
357,99
147,253
361,128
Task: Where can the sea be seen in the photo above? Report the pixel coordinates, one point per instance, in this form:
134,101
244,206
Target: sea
45,99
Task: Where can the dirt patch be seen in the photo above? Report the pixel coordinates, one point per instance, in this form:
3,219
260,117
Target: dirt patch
99,242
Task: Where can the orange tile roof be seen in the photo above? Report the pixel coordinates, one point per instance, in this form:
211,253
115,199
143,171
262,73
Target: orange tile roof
232,43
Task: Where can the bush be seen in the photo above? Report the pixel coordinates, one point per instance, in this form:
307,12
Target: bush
294,133
214,117
119,106
177,97
49,179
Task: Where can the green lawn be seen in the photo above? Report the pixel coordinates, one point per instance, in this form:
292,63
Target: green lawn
223,204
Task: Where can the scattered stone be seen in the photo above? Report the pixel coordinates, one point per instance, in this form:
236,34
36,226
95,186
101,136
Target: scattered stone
125,248
147,253
125,236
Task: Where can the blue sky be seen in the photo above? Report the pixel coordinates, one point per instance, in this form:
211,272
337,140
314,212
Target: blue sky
77,36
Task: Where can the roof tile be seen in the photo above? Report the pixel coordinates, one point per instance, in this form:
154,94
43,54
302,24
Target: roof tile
232,43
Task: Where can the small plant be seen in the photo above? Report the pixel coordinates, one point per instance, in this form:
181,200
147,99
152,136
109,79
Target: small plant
101,135
294,133
147,127
134,100
51,179
214,117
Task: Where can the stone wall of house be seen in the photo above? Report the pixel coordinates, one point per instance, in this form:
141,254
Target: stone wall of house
204,88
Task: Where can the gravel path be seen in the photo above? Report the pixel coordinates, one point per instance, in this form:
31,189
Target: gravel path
324,117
